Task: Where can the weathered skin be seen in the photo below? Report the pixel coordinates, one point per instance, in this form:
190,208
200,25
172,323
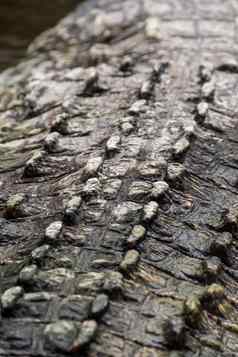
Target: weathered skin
98,175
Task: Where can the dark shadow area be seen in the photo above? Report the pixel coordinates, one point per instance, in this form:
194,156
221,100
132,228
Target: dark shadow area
22,20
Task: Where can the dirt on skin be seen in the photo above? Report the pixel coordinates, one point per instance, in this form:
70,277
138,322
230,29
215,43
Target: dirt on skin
118,174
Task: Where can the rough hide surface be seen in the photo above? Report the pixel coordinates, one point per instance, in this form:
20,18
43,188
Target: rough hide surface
119,182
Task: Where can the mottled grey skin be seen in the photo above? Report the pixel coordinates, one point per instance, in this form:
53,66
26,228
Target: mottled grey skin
136,71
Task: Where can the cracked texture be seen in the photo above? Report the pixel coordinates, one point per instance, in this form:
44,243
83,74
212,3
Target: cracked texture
121,85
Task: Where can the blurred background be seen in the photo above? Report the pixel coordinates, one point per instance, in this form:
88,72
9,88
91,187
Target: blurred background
22,20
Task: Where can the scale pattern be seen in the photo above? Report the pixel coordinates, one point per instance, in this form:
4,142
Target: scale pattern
119,182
